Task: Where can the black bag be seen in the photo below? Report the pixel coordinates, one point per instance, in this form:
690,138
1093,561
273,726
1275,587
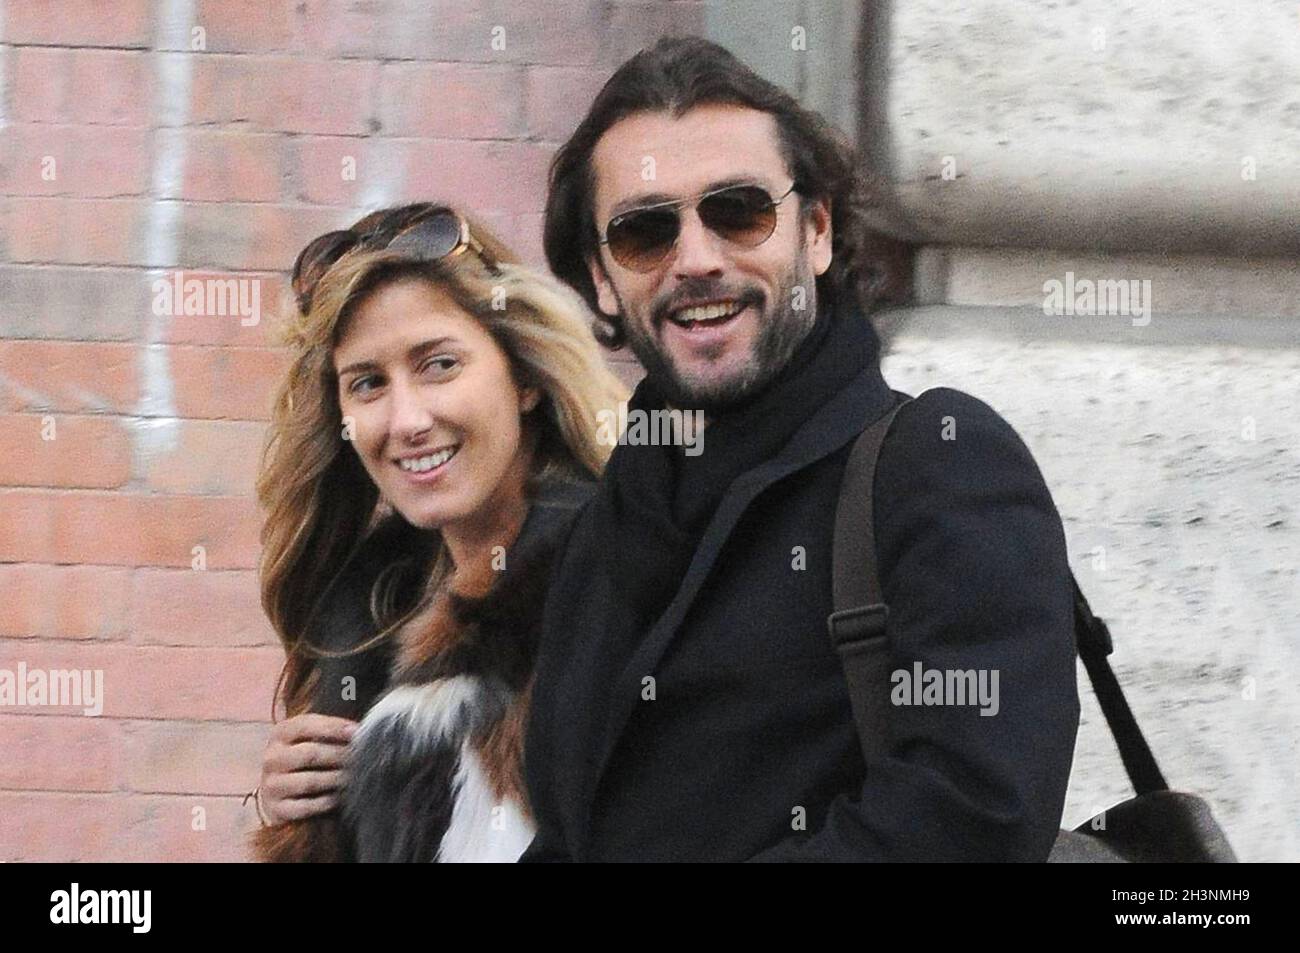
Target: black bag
1158,825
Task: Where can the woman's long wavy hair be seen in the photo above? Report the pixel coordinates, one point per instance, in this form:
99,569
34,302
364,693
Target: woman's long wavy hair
320,503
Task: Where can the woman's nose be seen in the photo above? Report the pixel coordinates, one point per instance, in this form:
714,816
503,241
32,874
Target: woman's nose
410,413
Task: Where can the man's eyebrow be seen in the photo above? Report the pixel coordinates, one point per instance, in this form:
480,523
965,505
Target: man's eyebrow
659,198
639,201
412,353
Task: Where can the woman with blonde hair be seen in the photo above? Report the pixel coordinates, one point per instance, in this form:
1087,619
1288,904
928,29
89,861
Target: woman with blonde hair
430,444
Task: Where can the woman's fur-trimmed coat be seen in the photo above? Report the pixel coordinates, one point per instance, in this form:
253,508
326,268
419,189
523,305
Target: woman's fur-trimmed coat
435,768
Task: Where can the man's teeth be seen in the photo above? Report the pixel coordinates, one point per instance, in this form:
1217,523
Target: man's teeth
707,312
420,464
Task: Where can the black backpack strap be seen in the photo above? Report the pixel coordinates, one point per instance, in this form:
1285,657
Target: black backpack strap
1093,641
858,624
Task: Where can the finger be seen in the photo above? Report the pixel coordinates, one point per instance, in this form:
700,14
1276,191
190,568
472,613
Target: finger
314,727
291,784
312,756
296,809
280,758
299,784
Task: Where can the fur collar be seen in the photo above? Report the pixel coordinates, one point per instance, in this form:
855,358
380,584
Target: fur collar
507,619
492,638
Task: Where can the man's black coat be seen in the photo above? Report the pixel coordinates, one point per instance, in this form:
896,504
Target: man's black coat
743,745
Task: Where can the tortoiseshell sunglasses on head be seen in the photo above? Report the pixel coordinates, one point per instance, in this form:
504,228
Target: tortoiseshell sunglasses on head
438,233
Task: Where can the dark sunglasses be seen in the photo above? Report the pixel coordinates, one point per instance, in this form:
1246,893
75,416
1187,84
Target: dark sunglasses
640,239
432,235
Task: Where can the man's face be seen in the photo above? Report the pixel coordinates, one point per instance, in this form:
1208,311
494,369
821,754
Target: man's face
767,294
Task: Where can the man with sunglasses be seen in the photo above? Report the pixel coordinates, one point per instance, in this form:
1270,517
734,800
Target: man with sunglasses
688,703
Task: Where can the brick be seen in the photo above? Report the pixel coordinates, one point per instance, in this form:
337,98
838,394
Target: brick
61,828
123,828
280,94
114,529
336,170
481,176
123,23
225,166
157,531
78,161
162,827
58,753
41,83
226,383
193,757
554,32
73,303
257,237
503,225
558,98
634,26
68,377
87,602
112,87
24,608
209,307
109,87
64,602
68,231
195,684
451,100
493,31
187,607
165,683
80,452
245,26
526,239
229,330
208,383
28,519
329,29
398,29
206,457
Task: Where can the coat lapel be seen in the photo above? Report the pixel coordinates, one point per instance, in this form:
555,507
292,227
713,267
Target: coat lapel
834,424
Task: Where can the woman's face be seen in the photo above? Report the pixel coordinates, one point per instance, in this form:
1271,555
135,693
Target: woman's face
434,410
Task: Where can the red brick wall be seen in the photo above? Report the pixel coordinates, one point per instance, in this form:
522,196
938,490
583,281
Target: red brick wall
128,438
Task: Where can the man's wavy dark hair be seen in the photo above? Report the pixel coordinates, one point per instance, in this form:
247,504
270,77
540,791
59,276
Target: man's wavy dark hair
675,75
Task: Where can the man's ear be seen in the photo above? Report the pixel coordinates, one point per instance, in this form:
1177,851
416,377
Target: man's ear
605,296
817,225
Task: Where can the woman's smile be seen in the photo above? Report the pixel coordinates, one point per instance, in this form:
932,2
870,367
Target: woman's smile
427,467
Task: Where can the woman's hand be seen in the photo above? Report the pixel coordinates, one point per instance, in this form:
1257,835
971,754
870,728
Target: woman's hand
303,766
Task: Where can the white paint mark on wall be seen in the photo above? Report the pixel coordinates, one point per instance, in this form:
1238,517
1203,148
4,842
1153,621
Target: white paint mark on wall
382,175
4,71
155,428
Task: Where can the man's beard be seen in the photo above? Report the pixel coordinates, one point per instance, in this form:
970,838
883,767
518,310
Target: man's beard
781,328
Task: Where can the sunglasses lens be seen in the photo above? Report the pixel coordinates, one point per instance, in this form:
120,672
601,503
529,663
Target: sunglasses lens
431,239
745,215
640,240
315,260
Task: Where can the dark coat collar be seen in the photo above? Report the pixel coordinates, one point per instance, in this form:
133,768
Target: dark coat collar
832,426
